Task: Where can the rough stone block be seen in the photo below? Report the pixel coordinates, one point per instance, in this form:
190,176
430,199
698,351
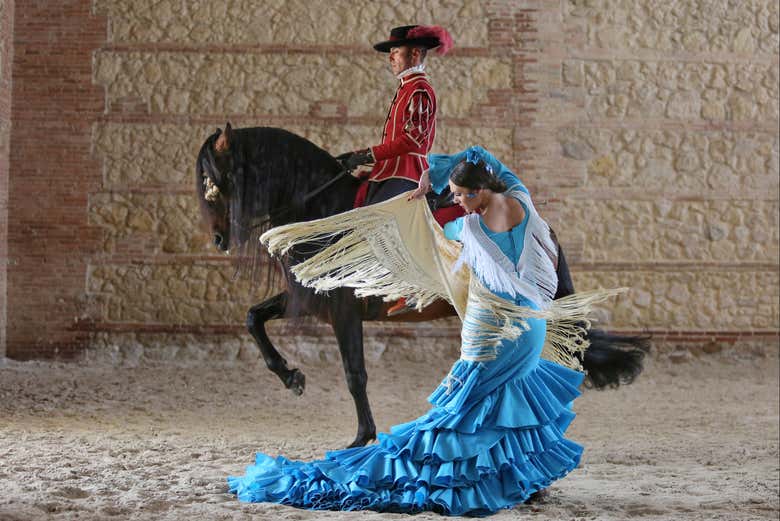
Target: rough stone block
738,301
704,26
132,349
683,231
140,155
291,22
162,223
671,161
199,294
286,84
674,90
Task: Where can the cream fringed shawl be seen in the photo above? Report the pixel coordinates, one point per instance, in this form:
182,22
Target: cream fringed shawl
396,249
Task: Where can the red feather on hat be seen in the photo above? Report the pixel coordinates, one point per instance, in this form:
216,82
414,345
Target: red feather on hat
433,31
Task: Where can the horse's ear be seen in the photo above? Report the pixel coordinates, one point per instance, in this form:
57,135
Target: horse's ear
223,140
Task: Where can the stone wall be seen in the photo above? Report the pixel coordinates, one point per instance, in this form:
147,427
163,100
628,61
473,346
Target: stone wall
646,129
661,119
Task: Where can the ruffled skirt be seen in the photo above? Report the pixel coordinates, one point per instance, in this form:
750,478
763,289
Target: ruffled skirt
494,436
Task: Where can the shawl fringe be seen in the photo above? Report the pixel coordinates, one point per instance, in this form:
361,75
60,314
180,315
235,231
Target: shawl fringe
396,249
368,255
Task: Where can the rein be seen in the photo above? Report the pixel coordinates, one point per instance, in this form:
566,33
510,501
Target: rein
316,191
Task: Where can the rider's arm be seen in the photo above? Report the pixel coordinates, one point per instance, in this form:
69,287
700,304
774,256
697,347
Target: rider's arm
419,122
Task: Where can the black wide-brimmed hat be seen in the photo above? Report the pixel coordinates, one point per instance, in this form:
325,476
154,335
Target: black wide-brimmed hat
428,36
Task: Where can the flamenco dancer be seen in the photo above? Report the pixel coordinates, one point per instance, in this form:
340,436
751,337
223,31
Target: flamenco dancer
494,435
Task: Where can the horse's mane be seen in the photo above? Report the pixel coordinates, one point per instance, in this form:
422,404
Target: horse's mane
271,171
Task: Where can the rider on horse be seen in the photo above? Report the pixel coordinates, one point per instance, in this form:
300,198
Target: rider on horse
410,127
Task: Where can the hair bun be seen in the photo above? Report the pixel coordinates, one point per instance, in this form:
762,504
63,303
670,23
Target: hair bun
496,184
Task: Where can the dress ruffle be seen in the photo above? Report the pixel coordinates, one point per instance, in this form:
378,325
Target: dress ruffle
475,452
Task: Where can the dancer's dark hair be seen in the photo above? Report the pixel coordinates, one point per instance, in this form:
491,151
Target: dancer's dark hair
476,176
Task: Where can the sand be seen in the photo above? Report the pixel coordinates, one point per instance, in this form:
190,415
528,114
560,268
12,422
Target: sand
688,441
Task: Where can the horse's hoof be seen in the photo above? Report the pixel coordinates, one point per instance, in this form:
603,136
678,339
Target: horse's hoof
296,382
361,440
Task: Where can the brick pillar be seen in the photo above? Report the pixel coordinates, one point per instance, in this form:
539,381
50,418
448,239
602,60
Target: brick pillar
55,105
6,59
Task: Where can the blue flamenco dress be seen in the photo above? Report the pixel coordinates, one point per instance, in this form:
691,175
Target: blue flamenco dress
493,436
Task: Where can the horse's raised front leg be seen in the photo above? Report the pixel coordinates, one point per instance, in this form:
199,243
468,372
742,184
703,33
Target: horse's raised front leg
348,327
258,315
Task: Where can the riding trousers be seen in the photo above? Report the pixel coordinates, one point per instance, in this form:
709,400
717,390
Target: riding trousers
384,190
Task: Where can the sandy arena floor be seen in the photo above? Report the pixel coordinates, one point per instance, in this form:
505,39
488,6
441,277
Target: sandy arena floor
690,441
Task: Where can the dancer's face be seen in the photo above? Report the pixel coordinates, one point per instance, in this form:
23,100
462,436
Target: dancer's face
470,200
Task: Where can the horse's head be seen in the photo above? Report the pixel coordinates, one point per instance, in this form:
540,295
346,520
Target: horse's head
215,182
251,178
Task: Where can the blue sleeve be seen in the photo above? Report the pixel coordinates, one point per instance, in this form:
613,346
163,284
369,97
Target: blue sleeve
440,166
501,170
511,180
452,229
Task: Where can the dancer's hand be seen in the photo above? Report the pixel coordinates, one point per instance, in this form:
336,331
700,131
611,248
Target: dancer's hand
423,187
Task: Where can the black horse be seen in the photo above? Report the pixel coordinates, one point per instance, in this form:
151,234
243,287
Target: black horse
251,179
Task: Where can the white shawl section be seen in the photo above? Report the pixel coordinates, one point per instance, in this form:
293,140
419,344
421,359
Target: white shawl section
396,249
391,249
534,275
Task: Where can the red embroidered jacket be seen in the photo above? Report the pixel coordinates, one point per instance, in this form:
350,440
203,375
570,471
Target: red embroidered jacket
409,131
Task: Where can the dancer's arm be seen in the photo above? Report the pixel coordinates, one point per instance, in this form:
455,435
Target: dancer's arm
423,186
440,165
452,229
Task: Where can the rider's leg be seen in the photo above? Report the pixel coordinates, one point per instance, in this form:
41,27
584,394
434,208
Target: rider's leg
384,190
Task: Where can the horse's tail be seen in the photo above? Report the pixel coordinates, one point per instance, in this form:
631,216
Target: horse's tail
611,360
